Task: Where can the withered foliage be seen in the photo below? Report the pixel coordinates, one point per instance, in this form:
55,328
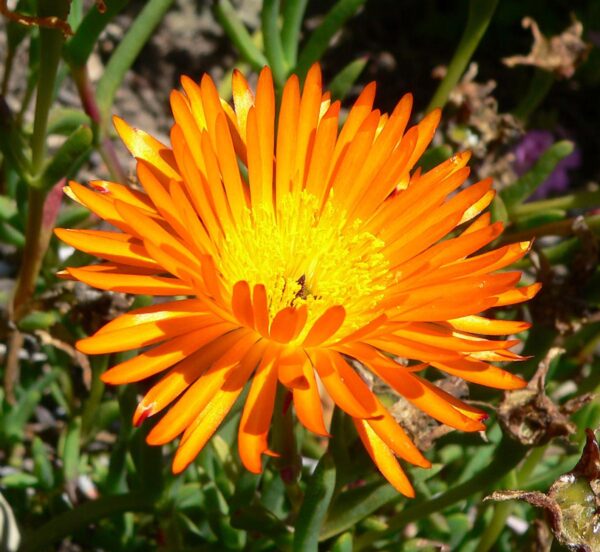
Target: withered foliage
572,503
560,54
531,417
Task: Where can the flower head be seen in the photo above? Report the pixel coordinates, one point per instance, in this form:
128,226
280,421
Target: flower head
299,251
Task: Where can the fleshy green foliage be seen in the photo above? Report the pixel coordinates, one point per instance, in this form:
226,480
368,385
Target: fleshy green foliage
72,467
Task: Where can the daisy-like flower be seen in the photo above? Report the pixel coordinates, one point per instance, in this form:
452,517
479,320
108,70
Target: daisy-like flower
293,250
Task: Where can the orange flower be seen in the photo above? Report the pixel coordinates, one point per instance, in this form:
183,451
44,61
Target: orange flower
299,250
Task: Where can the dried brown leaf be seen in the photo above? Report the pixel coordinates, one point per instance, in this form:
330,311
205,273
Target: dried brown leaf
572,503
560,54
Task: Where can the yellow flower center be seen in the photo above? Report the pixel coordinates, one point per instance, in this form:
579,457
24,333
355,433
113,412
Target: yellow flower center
305,256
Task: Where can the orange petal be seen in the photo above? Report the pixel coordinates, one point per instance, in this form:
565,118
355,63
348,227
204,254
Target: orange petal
307,402
481,325
286,138
482,373
384,459
243,99
518,295
260,309
112,246
144,146
288,323
348,395
124,282
146,326
265,119
241,303
325,326
256,416
207,422
202,386
290,369
163,356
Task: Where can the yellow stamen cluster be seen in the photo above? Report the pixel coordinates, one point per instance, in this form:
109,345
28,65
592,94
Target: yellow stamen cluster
307,256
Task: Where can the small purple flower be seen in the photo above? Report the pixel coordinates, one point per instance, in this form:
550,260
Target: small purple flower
529,150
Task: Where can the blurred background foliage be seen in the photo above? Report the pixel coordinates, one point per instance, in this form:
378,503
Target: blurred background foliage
75,474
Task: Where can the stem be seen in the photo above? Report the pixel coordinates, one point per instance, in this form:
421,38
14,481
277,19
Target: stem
498,521
11,371
559,228
90,106
51,41
8,65
32,254
69,522
284,436
514,480
540,85
581,200
293,12
480,15
92,403
508,454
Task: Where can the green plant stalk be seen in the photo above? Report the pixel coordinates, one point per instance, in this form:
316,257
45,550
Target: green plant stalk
514,480
127,51
8,65
90,408
559,228
540,85
33,251
239,35
90,106
293,12
284,437
508,454
68,522
51,42
480,15
272,41
320,38
580,200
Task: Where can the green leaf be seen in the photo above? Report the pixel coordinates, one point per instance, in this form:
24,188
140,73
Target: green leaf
70,450
38,320
79,47
11,235
537,219
12,144
71,216
498,210
293,12
235,29
255,516
272,40
41,465
67,157
71,521
15,32
19,480
17,418
319,491
356,504
8,208
65,120
321,37
434,156
344,543
520,190
127,51
341,84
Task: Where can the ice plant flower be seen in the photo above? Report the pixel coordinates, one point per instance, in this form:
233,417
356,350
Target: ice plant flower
292,250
